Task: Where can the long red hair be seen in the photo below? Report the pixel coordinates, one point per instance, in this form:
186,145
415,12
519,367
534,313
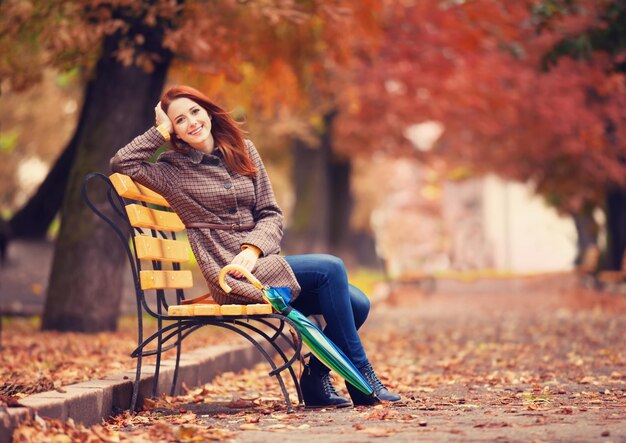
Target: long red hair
225,130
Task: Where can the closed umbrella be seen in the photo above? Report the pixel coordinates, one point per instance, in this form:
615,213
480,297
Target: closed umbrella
324,349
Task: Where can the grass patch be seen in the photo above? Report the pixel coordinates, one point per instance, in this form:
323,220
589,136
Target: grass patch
366,279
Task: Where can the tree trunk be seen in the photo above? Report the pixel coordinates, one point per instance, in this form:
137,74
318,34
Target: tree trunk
308,232
354,247
34,218
88,267
324,203
587,233
616,227
340,203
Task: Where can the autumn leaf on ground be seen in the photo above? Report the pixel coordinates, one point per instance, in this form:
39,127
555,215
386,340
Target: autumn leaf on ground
382,414
378,432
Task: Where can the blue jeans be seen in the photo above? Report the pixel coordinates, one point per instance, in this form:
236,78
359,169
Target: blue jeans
326,291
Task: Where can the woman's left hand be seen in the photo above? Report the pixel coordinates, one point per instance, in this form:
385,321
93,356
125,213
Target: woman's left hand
247,259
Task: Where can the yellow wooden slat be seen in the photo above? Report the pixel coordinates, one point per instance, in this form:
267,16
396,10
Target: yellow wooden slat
166,280
206,309
142,217
128,188
233,310
180,310
256,309
151,248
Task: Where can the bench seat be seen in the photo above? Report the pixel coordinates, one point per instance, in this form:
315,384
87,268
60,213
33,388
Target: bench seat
211,309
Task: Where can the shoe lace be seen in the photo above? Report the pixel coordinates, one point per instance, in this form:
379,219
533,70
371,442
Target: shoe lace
373,379
329,389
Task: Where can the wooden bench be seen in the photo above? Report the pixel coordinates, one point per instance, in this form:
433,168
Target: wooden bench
148,228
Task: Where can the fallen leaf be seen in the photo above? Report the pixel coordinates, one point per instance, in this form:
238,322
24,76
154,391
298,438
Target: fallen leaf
240,404
378,432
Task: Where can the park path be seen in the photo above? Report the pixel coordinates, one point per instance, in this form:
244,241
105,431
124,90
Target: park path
522,360
538,366
24,275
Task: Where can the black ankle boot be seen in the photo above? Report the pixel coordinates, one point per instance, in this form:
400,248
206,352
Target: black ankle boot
317,390
380,391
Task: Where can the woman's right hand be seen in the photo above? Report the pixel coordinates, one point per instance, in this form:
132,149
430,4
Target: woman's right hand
161,119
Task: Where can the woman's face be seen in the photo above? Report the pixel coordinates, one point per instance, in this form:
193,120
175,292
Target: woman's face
191,121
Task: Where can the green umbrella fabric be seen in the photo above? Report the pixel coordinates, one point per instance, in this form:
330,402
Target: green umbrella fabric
320,345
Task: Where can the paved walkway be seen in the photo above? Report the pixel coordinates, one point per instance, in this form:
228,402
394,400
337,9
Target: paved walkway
542,366
24,275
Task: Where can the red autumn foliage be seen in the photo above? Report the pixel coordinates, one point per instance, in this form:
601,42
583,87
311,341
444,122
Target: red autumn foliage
476,67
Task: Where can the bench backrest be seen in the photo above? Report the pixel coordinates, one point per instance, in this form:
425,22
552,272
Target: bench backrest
157,250
154,251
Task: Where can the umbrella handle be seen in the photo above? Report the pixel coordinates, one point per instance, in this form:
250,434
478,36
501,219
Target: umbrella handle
251,278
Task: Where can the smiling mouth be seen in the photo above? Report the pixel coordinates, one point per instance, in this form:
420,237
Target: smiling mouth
196,131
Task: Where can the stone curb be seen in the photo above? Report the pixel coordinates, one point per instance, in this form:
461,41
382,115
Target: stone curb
91,402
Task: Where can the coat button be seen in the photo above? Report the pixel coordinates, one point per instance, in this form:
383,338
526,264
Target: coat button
232,211
228,185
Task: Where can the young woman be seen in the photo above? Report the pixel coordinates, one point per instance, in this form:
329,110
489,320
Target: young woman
216,182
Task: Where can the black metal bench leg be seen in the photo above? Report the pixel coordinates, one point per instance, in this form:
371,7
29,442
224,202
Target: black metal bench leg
268,358
157,367
286,362
297,347
133,402
178,352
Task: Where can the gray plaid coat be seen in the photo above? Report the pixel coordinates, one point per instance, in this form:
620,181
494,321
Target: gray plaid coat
200,188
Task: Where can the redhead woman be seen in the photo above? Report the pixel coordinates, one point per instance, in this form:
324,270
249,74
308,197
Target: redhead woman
216,182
